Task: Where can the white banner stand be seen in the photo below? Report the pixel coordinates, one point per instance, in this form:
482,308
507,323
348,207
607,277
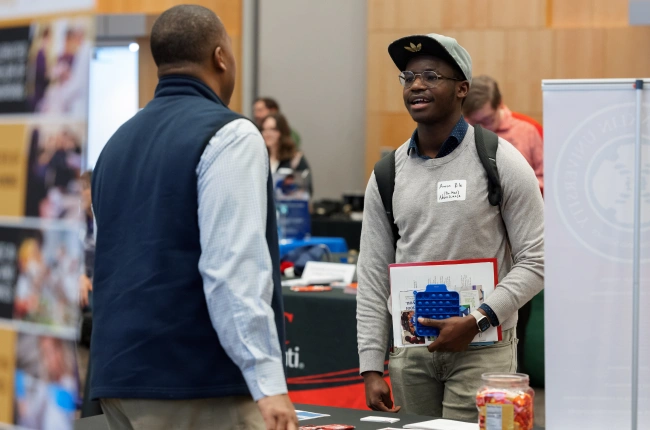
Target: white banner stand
597,292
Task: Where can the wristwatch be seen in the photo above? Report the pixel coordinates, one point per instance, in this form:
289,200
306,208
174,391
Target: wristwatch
482,321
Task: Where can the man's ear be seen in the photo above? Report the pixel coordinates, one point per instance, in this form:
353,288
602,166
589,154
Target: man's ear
219,58
462,89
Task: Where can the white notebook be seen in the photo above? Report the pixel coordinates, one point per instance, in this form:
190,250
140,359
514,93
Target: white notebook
442,425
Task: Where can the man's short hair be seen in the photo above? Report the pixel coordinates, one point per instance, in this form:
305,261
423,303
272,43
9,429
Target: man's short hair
483,90
185,34
269,103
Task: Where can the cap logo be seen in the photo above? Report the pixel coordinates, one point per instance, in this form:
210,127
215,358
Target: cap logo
413,47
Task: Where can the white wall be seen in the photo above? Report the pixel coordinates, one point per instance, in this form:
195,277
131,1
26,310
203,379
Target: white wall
113,96
312,59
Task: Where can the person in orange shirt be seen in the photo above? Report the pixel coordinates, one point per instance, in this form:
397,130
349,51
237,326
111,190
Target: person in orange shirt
484,106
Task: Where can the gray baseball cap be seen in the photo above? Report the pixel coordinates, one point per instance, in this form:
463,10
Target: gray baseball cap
437,45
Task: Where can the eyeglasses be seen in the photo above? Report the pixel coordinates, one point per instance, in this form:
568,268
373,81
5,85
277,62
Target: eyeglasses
429,78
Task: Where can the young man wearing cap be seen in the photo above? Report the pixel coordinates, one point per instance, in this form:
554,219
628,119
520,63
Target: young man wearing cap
436,73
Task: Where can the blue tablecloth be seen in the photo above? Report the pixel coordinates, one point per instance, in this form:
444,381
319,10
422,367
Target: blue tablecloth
336,245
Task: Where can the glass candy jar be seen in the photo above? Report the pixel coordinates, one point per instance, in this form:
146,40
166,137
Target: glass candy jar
505,402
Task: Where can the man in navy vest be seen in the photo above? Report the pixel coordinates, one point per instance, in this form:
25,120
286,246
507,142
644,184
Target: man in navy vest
187,310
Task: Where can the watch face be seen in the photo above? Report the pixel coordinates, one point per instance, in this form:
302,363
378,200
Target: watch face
483,324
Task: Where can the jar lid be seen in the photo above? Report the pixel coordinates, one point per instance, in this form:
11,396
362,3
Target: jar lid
506,378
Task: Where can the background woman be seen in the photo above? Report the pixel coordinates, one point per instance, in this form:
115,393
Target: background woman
282,148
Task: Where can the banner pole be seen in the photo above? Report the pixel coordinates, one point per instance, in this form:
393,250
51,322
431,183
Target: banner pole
636,275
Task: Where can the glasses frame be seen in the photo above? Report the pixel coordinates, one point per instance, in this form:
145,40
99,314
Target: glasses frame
403,83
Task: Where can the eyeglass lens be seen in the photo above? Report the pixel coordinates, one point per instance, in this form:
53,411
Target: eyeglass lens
429,78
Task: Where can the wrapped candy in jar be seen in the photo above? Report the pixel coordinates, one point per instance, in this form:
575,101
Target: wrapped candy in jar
505,402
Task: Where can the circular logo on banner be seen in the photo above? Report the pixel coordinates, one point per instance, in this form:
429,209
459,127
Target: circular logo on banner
594,182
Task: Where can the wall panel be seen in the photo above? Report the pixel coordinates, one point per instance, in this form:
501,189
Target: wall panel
572,13
588,13
518,42
464,14
579,53
626,52
610,13
517,13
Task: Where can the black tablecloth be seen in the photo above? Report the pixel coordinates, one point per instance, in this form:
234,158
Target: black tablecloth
348,230
322,358
337,416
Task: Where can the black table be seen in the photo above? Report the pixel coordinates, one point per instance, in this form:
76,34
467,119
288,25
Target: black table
347,229
337,416
322,358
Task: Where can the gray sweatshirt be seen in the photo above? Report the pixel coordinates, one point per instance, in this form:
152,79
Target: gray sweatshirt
450,230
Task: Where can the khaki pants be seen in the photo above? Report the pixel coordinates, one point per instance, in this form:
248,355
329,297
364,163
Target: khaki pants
227,413
444,384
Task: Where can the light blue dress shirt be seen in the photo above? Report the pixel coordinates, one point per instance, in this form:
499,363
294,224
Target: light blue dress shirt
235,262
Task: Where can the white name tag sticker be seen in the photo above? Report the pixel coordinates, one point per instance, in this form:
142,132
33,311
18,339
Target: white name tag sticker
449,191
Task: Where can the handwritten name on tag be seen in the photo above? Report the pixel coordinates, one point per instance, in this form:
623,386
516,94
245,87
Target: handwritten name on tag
449,191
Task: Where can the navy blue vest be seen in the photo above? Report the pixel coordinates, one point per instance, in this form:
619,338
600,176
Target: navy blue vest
152,335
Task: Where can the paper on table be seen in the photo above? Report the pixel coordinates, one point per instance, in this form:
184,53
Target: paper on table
380,420
320,269
304,415
304,282
318,272
442,425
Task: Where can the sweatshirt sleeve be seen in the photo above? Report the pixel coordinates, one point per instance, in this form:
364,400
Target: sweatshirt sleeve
522,210
376,253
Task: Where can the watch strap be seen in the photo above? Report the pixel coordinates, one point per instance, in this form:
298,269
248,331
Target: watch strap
479,316
494,320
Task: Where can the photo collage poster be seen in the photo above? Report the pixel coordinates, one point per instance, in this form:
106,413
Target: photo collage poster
44,82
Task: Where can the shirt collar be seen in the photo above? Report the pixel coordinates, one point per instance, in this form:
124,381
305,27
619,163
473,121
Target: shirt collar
457,135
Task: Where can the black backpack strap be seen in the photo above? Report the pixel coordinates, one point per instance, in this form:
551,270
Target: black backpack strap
385,177
487,144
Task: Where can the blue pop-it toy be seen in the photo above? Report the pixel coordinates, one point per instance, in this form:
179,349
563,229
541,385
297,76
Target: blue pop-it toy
437,303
